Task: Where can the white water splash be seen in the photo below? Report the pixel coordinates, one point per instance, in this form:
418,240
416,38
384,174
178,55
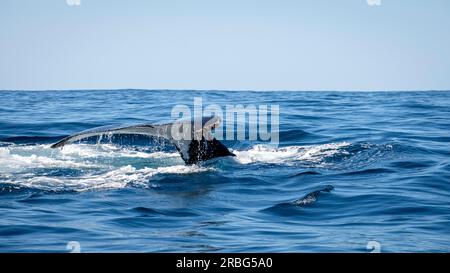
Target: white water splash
106,166
17,158
20,165
109,150
290,154
115,179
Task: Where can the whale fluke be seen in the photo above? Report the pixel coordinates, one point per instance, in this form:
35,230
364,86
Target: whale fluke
200,146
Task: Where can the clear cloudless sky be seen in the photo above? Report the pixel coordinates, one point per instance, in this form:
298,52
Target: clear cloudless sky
225,44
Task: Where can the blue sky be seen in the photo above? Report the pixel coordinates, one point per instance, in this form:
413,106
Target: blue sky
225,44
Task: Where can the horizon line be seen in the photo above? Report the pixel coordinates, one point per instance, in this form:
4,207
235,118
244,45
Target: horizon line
220,90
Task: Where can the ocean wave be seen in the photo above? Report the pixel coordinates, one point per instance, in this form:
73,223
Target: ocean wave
114,179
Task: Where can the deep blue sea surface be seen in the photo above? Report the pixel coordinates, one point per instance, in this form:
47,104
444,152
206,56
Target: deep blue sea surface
351,168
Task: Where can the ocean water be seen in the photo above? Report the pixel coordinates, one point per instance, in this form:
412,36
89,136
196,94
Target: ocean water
354,172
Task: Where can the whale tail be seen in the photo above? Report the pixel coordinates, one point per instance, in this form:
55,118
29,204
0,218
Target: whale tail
196,145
